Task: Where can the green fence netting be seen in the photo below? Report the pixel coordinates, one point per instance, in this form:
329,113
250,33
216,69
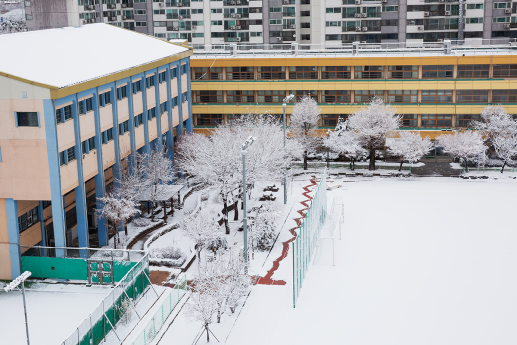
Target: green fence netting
302,248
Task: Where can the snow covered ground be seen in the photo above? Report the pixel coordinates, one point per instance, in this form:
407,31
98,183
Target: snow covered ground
54,311
421,261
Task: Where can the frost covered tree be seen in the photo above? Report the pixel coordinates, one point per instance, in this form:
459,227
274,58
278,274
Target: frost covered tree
117,210
155,172
505,148
202,228
345,142
303,123
409,146
373,124
467,145
13,22
262,231
495,122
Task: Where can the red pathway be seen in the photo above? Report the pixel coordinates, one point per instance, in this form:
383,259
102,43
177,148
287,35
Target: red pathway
267,279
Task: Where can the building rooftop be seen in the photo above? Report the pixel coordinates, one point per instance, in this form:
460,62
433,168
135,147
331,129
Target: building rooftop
72,55
359,49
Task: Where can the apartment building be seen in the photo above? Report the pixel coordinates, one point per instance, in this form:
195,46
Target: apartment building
269,23
435,89
70,120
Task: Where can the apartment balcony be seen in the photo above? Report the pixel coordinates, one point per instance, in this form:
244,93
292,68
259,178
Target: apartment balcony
236,3
236,27
288,14
236,15
178,16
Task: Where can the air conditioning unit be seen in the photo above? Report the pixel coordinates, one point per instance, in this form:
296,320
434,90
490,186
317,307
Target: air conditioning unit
447,13
357,28
124,5
232,27
420,28
92,20
90,7
85,21
113,19
293,26
238,2
365,28
232,15
175,28
358,2
412,22
194,27
180,4
124,17
161,4
506,26
112,6
357,15
426,14
286,2
238,27
232,3
237,15
440,40
238,39
364,15
180,17
279,38
507,11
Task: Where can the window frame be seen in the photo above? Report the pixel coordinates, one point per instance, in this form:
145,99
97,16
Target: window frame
17,119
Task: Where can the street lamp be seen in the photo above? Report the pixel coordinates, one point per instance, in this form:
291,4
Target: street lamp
246,144
13,285
287,99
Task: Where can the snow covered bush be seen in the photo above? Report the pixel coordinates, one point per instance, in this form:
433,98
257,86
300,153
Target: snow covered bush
167,256
202,228
14,21
125,311
263,229
141,222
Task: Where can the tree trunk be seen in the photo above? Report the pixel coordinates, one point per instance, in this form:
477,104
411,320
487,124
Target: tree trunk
152,211
165,212
225,216
502,169
353,164
148,208
401,162
172,206
305,160
466,165
372,160
236,209
207,335
125,229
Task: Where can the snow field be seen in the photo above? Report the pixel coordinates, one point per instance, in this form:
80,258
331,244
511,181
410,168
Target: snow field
421,261
54,311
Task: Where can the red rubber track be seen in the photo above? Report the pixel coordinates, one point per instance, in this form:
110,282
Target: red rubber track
267,279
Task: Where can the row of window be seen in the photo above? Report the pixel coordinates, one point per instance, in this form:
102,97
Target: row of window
28,219
359,72
359,96
331,120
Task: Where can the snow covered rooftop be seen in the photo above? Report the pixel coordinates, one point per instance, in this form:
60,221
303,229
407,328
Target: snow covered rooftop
72,55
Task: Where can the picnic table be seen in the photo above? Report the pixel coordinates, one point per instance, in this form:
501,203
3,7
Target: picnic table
267,197
272,188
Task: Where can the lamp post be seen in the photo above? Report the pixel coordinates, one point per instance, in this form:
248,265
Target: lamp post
287,99
13,285
246,144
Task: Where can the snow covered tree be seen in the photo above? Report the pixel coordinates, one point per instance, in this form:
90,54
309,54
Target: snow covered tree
236,281
262,231
345,142
202,228
117,210
467,145
409,146
303,123
14,21
505,148
373,124
495,122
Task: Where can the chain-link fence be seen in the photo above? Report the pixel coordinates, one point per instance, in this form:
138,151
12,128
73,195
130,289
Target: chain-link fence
155,324
308,234
94,329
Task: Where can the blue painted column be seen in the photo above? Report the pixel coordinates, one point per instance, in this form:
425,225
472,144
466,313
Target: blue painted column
42,225
80,190
58,214
11,208
179,129
132,158
158,111
189,100
99,178
169,136
116,166
145,148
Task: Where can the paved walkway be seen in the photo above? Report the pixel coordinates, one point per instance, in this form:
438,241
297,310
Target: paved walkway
432,168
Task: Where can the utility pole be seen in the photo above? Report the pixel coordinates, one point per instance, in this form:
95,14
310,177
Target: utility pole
287,99
246,144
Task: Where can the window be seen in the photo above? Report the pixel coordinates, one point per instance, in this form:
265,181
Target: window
104,99
275,21
137,86
301,93
500,19
275,9
71,154
336,96
368,72
409,120
331,120
504,96
161,77
464,120
209,119
402,96
505,71
91,143
403,72
28,219
333,9
390,8
502,5
303,72
183,69
46,203
474,6
473,20
184,96
436,120
163,107
209,96
333,24
139,119
365,96
271,96
241,96
71,218
239,73
437,71
123,127
174,102
473,71
174,73
109,134
27,3
436,96
149,81
27,119
306,25
335,72
141,12
151,113
207,73
28,16
88,105
62,160
271,73
59,114
305,13
307,37
122,92
471,96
